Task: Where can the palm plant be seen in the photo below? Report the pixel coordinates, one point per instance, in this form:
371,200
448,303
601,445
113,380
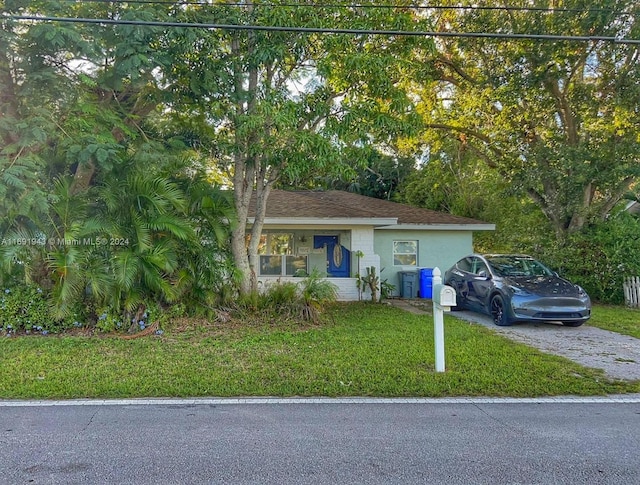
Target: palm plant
316,293
206,270
145,221
75,262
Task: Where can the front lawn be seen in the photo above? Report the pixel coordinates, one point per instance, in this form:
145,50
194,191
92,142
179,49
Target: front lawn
363,350
617,319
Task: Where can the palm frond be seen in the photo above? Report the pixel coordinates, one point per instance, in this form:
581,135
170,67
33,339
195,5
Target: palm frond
126,266
176,226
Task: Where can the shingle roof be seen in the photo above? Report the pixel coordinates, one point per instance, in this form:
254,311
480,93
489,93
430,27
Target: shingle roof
340,204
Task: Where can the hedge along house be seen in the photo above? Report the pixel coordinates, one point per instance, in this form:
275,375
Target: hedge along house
342,233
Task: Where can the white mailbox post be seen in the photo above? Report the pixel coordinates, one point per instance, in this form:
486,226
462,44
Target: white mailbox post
444,297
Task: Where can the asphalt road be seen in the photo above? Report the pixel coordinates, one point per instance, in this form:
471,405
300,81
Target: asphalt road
323,441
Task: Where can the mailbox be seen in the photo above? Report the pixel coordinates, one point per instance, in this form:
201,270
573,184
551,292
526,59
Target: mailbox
445,296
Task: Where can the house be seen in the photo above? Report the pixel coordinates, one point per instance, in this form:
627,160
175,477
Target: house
342,233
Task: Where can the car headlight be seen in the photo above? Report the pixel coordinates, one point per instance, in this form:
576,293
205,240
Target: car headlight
581,291
518,291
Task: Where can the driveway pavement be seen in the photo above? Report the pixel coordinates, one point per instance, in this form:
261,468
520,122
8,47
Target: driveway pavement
618,355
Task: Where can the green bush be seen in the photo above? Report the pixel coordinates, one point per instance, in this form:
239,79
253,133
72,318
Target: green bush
316,292
600,257
280,295
290,300
25,308
108,321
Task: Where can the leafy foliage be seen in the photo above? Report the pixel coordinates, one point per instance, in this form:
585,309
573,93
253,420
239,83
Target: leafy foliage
279,107
299,301
111,136
380,176
316,292
92,211
556,120
600,257
25,309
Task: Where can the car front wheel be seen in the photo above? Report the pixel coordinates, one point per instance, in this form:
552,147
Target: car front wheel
498,311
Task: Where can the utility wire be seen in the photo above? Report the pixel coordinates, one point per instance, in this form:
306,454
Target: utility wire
361,6
272,28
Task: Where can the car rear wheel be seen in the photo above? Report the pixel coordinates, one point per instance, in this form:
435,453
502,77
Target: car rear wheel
572,324
498,311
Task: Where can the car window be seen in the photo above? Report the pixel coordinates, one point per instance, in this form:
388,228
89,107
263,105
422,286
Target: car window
518,266
536,268
464,265
480,267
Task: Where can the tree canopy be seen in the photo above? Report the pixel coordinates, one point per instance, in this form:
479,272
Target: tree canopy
557,119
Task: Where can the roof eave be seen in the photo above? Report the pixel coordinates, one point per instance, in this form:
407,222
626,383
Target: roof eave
327,221
440,227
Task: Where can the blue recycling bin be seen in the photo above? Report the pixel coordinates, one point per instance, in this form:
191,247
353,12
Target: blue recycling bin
426,283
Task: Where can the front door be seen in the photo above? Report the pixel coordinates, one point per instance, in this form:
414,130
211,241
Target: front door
338,257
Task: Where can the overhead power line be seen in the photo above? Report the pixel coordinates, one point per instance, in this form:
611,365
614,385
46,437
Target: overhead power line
310,30
505,8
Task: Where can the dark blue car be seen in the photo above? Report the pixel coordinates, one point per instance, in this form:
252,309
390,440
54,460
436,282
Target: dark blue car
513,287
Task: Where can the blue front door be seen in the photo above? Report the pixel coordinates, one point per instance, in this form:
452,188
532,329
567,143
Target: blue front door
338,257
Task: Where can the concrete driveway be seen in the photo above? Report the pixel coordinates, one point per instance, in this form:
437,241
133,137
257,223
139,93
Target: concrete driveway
618,355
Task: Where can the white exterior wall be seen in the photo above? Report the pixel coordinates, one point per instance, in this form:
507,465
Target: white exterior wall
347,288
362,240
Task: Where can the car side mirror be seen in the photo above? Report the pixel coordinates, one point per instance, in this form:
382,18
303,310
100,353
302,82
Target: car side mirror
483,274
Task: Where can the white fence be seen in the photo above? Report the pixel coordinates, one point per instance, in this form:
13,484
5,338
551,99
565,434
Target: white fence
632,291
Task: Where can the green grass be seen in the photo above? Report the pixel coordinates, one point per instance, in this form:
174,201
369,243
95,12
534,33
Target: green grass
368,350
617,319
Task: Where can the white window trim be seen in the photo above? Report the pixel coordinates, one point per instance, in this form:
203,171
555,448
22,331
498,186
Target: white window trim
393,251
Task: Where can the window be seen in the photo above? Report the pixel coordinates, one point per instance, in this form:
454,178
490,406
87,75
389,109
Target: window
405,253
276,256
480,267
465,264
276,243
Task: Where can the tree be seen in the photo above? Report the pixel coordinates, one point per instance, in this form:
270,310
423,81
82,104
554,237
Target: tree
84,166
457,181
381,177
558,120
274,106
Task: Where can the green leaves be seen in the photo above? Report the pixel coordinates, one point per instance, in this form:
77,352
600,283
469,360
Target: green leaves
544,114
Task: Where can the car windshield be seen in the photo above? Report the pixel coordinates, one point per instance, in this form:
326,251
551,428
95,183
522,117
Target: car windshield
517,266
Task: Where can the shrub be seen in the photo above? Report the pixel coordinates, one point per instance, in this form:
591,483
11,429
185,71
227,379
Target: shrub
600,257
288,300
108,321
25,308
316,292
280,294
